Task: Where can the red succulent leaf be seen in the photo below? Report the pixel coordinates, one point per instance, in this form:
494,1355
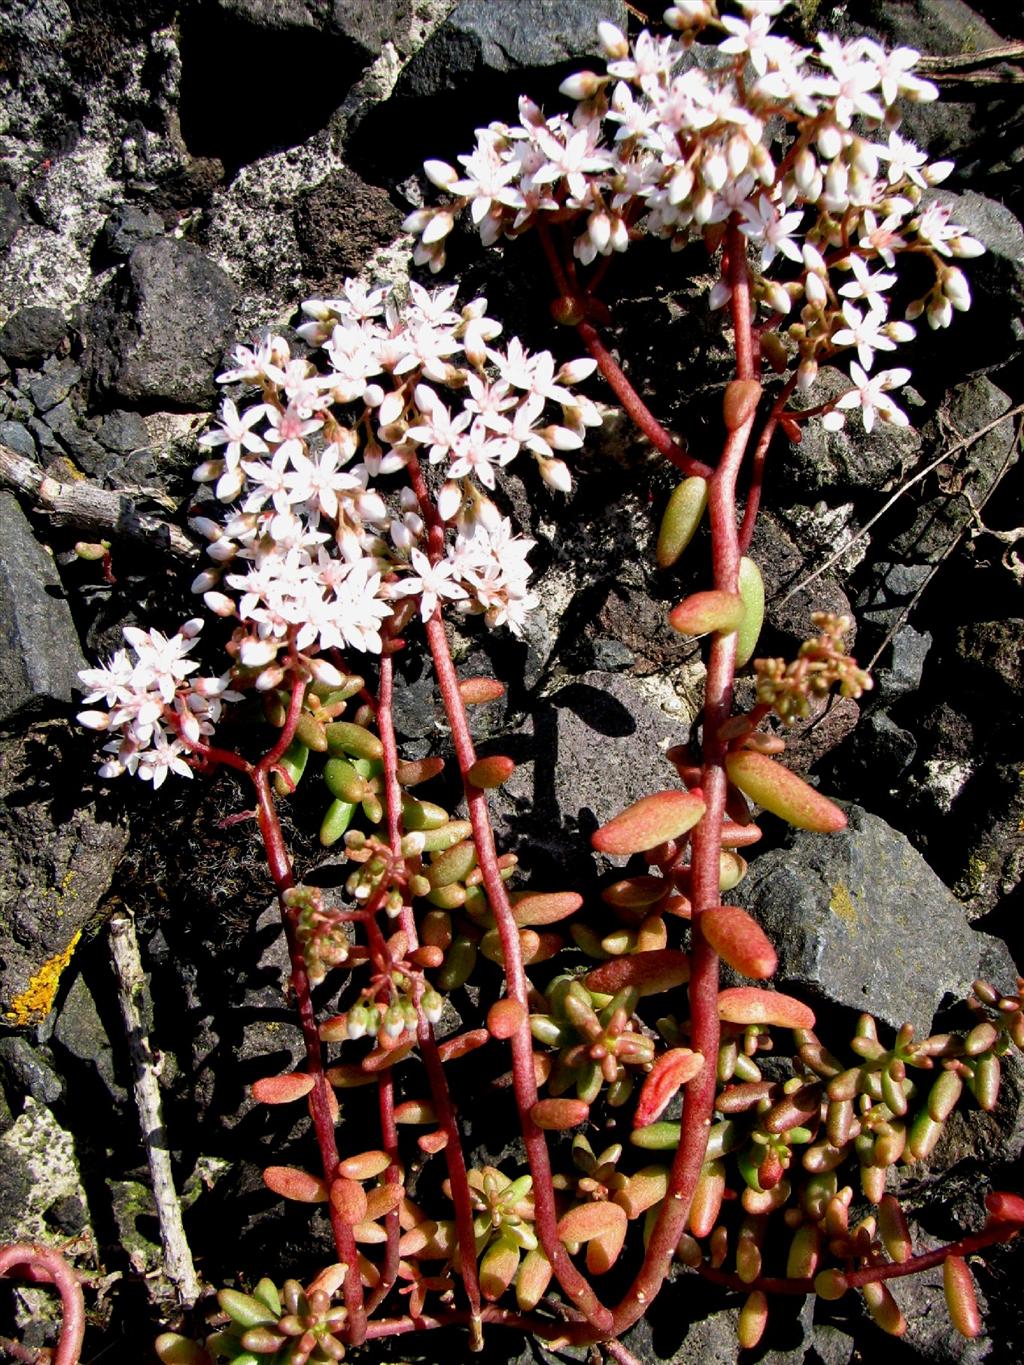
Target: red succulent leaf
649,822
672,1070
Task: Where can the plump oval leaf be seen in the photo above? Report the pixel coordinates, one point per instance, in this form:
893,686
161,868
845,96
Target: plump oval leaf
739,940
751,1005
783,793
683,515
648,822
587,1221
661,969
702,612
291,1183
751,589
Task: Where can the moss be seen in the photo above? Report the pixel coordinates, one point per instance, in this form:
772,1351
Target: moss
34,1003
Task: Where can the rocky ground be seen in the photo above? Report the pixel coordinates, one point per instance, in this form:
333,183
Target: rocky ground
174,176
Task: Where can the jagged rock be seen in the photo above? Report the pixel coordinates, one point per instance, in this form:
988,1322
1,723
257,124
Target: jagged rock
831,463
126,227
54,384
18,438
38,1168
32,334
57,858
341,222
160,328
80,1031
938,521
28,1072
39,650
860,919
469,71
505,35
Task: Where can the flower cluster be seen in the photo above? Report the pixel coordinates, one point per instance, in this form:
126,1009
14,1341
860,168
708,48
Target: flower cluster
324,534
157,710
800,148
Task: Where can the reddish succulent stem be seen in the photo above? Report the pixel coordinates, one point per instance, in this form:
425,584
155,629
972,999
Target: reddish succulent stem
757,464
454,1156
524,1080
699,1095
613,374
280,866
992,1235
44,1265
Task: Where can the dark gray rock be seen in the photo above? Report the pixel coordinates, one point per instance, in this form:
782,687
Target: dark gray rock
341,222
31,334
504,35
18,438
973,471
159,329
80,1031
584,754
126,227
904,666
122,432
882,751
367,23
54,384
57,859
892,588
859,918
39,651
829,463
28,1072
11,216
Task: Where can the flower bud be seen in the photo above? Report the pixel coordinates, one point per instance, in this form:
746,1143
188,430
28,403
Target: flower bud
584,85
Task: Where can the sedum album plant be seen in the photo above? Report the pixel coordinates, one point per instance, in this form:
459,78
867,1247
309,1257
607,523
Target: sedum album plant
350,501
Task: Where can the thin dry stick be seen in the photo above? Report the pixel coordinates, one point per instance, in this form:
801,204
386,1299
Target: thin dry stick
131,987
976,509
954,449
100,511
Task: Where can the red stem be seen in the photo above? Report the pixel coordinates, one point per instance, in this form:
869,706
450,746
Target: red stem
453,1153
523,1078
281,871
757,464
612,371
992,1235
44,1265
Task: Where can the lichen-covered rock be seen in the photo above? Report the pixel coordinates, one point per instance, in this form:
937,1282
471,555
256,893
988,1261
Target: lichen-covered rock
57,859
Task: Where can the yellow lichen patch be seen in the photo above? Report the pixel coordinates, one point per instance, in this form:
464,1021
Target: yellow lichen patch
34,1003
842,905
